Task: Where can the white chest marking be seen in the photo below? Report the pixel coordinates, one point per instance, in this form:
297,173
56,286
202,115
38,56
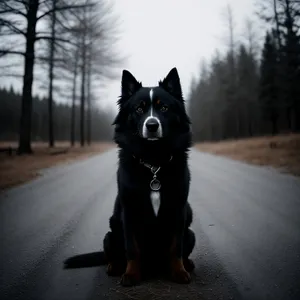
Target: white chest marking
155,200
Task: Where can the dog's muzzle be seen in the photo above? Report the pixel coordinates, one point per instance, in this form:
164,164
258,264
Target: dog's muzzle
152,129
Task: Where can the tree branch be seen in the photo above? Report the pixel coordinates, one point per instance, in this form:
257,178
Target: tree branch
10,75
5,52
62,8
12,27
49,38
12,10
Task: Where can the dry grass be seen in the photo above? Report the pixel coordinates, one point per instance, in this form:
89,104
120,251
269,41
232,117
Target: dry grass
18,169
282,151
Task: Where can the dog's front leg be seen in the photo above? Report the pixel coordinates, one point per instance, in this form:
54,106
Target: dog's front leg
132,275
178,271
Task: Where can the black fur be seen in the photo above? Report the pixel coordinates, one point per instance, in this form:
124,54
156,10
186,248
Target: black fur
133,222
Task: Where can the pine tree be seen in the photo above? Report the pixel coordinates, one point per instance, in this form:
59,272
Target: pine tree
269,91
291,70
247,90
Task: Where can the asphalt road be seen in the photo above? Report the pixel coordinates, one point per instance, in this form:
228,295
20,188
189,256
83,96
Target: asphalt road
247,223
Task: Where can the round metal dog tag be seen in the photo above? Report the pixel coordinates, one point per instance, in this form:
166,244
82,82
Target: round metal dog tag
155,185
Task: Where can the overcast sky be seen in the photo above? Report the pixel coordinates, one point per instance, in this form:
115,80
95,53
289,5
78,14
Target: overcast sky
160,34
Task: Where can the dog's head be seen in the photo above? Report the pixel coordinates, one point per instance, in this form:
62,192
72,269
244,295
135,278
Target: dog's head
151,115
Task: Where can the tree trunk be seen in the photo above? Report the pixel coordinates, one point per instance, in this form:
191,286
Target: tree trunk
89,120
250,133
82,108
51,67
297,118
277,24
89,78
89,104
249,125
289,118
238,123
26,110
82,98
72,137
274,121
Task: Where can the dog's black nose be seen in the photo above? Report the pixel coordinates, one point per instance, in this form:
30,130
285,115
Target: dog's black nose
152,125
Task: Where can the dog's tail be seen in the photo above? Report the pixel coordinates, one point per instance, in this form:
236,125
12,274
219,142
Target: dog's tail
87,260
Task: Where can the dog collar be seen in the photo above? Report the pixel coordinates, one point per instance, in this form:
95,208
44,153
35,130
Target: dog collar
155,184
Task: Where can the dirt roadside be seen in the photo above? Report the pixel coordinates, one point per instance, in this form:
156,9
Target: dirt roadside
16,169
281,152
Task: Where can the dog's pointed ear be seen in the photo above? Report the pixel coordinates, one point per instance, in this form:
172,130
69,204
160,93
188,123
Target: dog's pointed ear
129,85
172,84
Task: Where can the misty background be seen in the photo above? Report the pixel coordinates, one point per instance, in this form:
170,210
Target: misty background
61,63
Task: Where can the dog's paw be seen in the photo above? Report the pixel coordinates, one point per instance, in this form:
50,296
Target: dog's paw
130,279
188,265
115,269
132,275
178,271
181,276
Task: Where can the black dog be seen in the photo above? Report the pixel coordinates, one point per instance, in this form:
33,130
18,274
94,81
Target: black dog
151,217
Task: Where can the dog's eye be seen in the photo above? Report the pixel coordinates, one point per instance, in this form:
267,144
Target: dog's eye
139,110
164,108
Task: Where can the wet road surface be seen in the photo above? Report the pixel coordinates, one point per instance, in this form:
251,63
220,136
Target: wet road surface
246,220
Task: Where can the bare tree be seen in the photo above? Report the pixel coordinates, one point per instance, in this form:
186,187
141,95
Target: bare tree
277,23
251,38
249,84
233,115
74,88
93,58
51,67
98,57
20,18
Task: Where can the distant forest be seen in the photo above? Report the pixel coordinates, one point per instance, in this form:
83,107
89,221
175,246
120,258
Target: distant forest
10,110
247,92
